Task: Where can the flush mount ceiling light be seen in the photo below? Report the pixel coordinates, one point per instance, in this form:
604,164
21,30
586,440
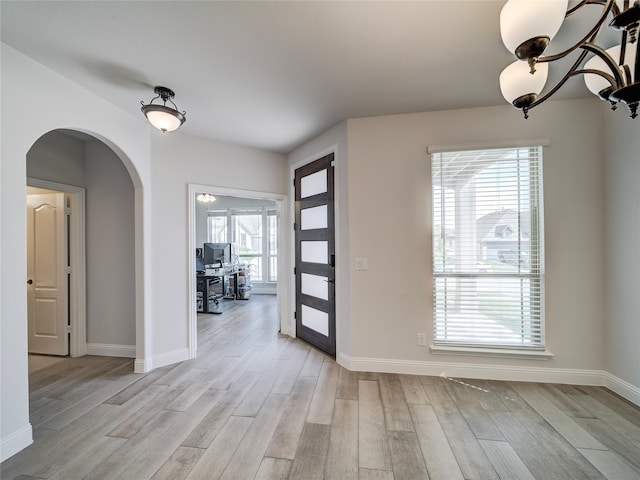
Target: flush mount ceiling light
527,27
162,117
206,198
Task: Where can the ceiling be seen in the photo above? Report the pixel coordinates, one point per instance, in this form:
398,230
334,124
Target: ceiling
272,75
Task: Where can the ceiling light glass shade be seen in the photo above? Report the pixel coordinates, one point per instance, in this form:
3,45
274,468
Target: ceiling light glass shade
517,80
521,20
163,118
596,83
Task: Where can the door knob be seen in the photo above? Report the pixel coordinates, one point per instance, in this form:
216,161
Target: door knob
29,282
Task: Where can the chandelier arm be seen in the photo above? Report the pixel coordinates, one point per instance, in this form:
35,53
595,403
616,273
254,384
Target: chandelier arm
617,78
606,76
562,81
611,63
591,36
571,11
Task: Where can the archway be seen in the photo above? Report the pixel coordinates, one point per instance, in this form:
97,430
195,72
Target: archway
107,258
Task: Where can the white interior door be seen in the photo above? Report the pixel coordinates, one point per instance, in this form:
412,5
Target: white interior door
47,287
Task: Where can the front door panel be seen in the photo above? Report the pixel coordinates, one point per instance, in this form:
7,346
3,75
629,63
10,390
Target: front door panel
315,254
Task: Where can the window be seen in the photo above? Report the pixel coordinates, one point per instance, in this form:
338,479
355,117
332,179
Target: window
254,232
272,228
247,235
488,248
217,226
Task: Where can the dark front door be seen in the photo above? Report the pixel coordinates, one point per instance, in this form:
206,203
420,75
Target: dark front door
315,254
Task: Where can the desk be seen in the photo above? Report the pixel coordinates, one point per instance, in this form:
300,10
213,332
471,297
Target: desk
206,297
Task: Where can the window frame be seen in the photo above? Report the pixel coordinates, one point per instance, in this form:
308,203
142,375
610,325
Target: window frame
536,274
265,212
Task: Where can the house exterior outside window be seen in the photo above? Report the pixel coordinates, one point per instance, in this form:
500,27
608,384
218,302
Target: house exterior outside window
254,232
488,248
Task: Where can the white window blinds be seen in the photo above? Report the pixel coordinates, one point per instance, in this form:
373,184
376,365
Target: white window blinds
488,248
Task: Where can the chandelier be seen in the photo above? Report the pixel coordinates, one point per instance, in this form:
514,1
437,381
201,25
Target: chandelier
527,27
162,117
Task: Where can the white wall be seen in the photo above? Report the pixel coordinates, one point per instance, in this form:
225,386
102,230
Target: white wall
622,259
389,180
38,101
180,159
35,101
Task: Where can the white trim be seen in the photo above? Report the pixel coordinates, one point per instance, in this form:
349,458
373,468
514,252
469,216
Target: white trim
479,371
538,142
168,358
622,388
264,289
142,366
16,441
110,350
77,261
491,352
509,373
291,323
193,188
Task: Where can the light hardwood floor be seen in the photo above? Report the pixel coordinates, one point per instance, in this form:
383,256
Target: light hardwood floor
258,405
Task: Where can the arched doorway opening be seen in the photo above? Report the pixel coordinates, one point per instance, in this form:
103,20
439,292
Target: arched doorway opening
101,232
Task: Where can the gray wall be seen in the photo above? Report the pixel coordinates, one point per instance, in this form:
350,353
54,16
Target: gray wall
621,159
60,158
111,289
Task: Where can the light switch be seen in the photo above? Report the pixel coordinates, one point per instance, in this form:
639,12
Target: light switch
361,264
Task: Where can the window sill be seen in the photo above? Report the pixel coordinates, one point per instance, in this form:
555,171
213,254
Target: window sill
492,352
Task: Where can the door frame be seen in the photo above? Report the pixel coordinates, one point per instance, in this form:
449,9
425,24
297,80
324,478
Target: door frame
282,287
77,262
291,321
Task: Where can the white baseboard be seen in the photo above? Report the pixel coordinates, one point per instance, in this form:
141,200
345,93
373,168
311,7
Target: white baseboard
622,388
141,366
110,350
598,378
169,358
144,365
16,441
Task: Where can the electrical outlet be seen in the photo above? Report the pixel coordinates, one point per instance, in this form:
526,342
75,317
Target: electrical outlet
422,339
362,264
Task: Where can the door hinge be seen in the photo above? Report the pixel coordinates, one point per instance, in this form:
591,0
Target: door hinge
295,226
67,329
67,270
295,270
67,211
295,315
294,182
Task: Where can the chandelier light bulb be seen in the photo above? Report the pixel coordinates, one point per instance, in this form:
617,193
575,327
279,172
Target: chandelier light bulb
596,83
517,80
524,20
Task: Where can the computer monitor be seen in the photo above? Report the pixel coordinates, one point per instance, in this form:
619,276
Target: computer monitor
217,253
199,261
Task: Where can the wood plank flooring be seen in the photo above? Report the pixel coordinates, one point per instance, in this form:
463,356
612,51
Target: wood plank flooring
258,405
